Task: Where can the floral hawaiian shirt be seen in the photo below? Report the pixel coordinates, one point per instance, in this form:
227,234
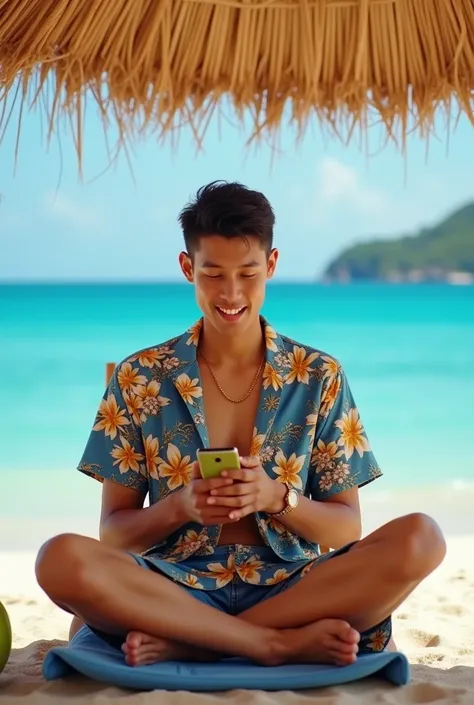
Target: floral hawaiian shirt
307,432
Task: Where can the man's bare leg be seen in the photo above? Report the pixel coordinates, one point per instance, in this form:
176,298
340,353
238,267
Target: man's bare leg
108,590
391,646
141,649
382,569
76,624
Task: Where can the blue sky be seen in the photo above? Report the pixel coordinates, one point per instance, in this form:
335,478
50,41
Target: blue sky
116,225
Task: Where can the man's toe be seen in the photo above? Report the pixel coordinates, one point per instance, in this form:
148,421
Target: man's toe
347,634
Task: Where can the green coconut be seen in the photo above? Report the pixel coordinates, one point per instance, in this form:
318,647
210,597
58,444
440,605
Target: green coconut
5,637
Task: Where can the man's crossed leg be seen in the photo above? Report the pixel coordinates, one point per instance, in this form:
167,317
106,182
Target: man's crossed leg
317,620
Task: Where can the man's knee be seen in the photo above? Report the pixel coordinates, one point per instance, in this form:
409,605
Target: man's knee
421,546
63,563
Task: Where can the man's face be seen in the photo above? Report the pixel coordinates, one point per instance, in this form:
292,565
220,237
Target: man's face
230,275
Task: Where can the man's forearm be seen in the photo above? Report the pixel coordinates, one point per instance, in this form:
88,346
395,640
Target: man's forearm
326,523
139,529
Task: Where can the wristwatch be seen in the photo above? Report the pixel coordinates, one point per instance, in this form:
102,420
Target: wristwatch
291,501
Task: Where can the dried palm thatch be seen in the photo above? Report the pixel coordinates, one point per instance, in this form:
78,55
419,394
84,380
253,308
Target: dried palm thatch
163,63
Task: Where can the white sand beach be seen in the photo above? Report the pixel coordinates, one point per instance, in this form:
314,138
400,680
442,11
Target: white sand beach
434,628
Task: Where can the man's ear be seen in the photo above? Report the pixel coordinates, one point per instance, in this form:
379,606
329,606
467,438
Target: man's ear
272,263
186,264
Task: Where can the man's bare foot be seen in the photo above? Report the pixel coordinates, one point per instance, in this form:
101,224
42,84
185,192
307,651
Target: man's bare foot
330,641
142,650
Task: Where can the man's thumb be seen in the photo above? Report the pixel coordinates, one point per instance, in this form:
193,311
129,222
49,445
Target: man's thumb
195,472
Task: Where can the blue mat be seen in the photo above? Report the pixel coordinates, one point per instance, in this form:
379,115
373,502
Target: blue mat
90,656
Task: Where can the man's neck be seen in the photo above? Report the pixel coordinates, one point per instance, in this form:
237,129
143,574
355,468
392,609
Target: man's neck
243,349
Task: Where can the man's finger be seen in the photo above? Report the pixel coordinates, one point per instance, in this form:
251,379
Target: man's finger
240,501
240,475
237,514
203,486
215,514
195,472
213,519
249,461
236,489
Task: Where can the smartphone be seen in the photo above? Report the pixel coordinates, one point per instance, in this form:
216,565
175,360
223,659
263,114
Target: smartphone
212,461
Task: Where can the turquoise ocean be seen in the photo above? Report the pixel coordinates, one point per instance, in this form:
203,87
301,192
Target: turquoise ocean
408,352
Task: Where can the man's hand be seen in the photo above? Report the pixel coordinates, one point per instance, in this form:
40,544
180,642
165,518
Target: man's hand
251,491
193,500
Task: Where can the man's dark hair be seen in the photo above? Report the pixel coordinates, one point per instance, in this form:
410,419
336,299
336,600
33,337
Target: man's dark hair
230,210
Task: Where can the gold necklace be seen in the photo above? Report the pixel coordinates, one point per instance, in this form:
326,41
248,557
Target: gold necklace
252,386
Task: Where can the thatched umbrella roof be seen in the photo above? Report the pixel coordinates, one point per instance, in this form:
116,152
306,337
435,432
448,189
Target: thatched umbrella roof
164,62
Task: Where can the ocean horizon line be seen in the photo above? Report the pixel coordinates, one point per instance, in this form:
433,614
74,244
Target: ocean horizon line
51,283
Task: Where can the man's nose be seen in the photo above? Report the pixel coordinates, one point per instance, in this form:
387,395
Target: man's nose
231,290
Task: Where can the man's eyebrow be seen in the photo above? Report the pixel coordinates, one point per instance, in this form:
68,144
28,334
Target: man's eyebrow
212,265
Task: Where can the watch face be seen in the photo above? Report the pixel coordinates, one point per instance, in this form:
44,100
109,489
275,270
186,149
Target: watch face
293,498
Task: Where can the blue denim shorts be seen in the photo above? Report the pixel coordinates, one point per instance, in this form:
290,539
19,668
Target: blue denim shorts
238,596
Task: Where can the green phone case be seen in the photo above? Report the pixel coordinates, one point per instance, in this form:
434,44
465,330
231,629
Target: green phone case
212,462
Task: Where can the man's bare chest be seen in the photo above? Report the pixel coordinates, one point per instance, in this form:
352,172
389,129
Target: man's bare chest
228,423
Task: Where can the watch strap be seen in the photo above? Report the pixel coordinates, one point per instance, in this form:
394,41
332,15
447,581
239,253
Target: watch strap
287,508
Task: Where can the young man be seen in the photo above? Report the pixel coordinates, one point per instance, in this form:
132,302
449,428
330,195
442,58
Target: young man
232,566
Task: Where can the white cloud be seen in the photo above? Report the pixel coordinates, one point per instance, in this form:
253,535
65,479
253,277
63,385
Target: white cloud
340,184
84,217
340,203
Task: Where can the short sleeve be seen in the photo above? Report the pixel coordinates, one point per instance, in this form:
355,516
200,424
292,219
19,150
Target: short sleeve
115,450
341,457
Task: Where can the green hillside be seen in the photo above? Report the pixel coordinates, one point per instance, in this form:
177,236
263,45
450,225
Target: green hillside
444,252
